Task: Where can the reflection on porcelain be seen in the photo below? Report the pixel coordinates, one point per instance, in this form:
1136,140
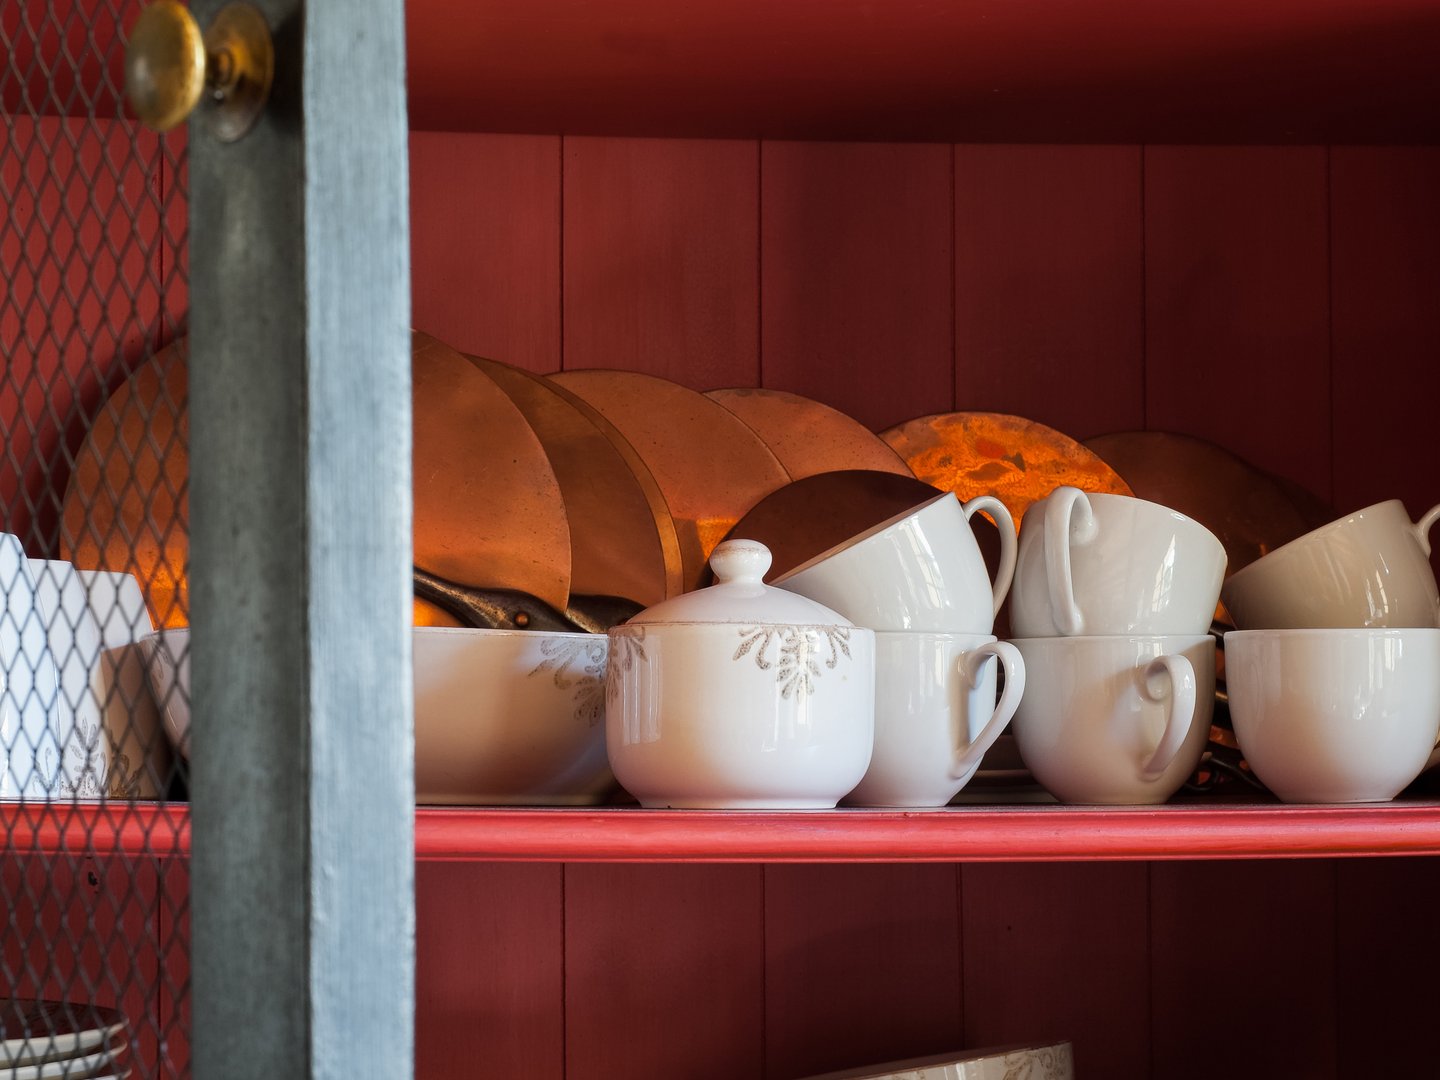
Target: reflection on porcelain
1370,568
1093,563
740,696
920,570
935,714
1335,715
1115,720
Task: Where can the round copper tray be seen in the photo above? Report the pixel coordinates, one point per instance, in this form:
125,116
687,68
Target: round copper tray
1017,460
809,437
125,506
710,466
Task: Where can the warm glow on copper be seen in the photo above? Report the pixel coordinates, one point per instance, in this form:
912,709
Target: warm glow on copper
1017,460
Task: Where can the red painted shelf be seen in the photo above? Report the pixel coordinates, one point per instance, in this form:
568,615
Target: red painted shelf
1199,829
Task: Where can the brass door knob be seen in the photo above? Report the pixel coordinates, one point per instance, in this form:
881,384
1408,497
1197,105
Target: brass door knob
170,67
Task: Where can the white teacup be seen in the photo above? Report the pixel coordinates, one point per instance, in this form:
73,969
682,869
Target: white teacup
1093,563
920,570
1370,568
1335,715
935,714
33,733
109,735
1115,720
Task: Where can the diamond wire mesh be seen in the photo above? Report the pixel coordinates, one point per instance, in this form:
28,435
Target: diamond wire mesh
92,553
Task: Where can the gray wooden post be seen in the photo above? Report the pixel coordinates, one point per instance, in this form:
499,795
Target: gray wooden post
302,888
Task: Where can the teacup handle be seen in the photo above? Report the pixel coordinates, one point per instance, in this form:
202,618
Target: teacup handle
971,664
1060,518
1424,525
1005,522
1179,693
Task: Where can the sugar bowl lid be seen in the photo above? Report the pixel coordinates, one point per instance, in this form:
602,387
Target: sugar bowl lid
740,595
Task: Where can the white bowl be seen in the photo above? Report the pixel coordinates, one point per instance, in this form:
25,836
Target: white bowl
512,717
1335,715
740,696
502,717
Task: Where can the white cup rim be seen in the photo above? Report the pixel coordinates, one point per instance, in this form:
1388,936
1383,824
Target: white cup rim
1079,639
1314,534
1370,632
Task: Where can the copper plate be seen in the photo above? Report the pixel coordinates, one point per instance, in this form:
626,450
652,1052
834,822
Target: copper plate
615,545
126,505
1018,460
807,436
710,466
488,508
1247,509
809,516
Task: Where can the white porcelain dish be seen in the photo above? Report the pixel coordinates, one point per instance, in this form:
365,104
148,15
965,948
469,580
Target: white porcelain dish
935,714
88,1067
1094,563
510,717
920,570
60,1030
502,717
109,733
1053,1061
1115,720
33,732
740,696
1335,715
1369,568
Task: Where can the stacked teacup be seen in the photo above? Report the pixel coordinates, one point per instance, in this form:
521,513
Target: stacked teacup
1111,609
1333,676
920,582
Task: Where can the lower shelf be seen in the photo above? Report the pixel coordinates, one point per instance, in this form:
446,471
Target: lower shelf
1198,829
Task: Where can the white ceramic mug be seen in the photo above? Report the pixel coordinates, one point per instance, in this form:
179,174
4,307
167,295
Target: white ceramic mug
935,714
920,570
1369,568
1335,715
32,734
110,742
1115,720
1093,563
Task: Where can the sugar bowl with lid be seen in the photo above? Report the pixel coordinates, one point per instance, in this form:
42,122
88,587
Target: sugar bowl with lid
740,696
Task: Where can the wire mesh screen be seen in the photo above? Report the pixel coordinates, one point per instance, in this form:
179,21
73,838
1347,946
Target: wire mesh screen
93,602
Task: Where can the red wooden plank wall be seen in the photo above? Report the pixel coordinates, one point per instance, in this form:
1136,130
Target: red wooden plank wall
1279,301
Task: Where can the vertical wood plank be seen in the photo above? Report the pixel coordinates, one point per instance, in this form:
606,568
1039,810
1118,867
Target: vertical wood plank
78,244
664,972
1237,303
80,929
1060,951
661,258
485,244
862,965
1049,285
856,259
489,953
1243,972
172,921
1385,274
1387,991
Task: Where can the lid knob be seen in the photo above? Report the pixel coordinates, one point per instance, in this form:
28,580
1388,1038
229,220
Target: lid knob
743,561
